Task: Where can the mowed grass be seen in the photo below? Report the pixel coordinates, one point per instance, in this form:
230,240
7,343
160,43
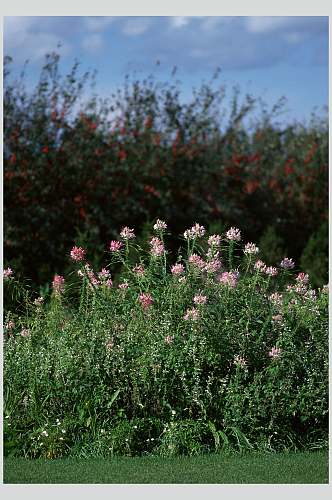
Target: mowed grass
255,468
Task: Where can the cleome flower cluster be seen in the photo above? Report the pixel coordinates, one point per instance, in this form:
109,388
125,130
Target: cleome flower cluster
209,267
178,336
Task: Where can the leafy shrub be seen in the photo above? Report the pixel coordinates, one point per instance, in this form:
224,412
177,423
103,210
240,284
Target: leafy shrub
317,248
75,170
205,350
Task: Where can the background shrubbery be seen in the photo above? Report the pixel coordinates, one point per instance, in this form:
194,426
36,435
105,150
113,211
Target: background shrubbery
77,171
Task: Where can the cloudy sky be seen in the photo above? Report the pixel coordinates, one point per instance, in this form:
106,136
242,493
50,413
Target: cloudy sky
267,56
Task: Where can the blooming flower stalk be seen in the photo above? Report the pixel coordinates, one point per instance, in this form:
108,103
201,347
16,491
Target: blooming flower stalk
139,269
271,271
157,247
214,240
177,269
287,263
275,352
196,231
302,278
276,299
229,278
233,234
77,254
160,225
115,246
8,273
213,265
200,299
58,284
250,249
196,261
192,314
127,233
260,266
146,300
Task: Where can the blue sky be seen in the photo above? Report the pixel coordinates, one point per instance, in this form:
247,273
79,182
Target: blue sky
266,56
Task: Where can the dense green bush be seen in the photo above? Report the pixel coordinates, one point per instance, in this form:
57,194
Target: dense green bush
205,350
75,169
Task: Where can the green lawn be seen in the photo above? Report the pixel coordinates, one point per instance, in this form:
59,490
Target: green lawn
209,469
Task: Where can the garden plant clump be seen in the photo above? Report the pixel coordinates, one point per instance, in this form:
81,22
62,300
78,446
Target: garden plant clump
208,349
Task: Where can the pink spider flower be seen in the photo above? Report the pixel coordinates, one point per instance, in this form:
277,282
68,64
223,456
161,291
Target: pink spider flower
25,332
177,269
58,284
127,233
39,301
139,269
275,352
200,299
10,325
157,247
8,273
229,278
302,278
233,234
260,266
196,261
123,286
250,249
160,225
271,271
196,231
104,274
287,263
192,314
77,254
276,299
115,246
214,240
213,265
146,300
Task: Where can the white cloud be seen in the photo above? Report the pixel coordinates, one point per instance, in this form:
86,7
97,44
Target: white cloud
21,33
261,24
135,26
179,21
92,43
98,23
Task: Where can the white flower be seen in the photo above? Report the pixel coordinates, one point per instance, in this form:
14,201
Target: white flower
160,225
250,249
233,234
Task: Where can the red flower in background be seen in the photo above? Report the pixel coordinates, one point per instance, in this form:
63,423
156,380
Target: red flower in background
288,169
12,159
310,154
150,189
122,155
45,149
148,122
251,186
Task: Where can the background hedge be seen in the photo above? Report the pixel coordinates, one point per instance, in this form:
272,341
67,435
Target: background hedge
77,169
